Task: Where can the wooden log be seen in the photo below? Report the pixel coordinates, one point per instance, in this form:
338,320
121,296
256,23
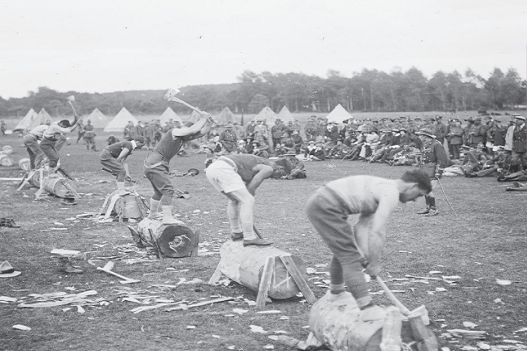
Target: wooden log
34,180
5,160
245,266
60,187
128,206
339,327
173,240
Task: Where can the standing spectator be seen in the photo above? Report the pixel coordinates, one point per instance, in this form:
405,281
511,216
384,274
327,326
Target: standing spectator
433,161
277,131
249,130
129,131
519,147
467,136
311,128
440,130
80,132
89,136
332,133
3,127
455,136
228,138
477,133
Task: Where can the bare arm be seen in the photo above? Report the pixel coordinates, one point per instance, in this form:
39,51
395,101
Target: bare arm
202,127
122,156
264,172
388,201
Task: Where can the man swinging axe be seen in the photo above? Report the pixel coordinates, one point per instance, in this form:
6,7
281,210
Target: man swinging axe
53,138
373,199
433,161
157,169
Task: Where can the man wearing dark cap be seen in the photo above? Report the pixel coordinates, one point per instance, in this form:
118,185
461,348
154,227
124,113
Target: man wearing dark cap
433,161
477,134
519,147
455,138
228,139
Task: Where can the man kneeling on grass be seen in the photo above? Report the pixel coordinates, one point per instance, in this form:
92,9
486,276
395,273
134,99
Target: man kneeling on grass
373,199
238,177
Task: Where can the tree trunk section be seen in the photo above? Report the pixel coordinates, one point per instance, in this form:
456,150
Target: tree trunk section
174,241
245,265
339,327
59,187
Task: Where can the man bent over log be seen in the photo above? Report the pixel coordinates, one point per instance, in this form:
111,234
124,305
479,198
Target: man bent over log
157,167
52,140
237,177
113,159
373,199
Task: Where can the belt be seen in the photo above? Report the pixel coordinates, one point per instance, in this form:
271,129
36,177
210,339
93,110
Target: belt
36,136
51,139
229,162
157,163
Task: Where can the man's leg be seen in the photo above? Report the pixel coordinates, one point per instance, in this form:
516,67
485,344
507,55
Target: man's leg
48,148
245,208
233,213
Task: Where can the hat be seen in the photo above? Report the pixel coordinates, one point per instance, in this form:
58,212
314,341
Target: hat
417,119
285,135
470,119
295,131
426,132
290,152
311,142
464,147
477,118
480,146
519,117
6,270
395,130
438,117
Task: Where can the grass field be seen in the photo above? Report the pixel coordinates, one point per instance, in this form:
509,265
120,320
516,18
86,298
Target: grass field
483,241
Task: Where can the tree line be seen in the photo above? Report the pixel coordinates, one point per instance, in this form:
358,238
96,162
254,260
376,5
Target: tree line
369,90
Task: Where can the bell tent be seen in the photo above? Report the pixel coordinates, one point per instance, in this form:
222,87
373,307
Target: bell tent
26,122
285,115
168,115
338,115
267,115
97,118
225,116
120,121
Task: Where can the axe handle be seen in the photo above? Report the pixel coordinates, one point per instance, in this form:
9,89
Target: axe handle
116,274
405,311
75,112
173,98
257,232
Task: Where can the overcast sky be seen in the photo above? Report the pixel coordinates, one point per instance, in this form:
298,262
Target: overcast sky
114,45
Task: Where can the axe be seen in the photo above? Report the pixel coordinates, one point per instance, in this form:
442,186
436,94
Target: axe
171,96
70,99
108,269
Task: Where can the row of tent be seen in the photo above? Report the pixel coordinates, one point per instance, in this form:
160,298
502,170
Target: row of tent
118,123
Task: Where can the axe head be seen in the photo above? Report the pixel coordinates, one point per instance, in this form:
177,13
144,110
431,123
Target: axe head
171,93
71,98
108,266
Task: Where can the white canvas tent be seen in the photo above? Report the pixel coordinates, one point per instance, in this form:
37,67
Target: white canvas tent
285,115
267,115
225,116
97,118
26,122
120,121
169,114
338,115
43,116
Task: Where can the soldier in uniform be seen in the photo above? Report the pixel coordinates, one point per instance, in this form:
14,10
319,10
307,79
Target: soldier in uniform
89,136
157,169
228,138
433,161
113,159
298,171
311,129
519,147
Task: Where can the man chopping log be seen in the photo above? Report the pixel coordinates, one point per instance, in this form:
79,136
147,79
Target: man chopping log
113,159
373,199
237,177
52,139
31,139
157,167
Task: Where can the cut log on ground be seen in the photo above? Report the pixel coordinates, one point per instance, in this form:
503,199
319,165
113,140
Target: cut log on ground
172,240
60,187
245,266
339,327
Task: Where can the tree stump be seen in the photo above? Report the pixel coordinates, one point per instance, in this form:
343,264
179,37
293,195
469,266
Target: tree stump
245,266
172,240
339,327
5,160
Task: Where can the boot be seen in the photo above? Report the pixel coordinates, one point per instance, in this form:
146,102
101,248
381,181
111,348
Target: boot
237,236
167,216
154,207
433,210
67,267
427,209
257,242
